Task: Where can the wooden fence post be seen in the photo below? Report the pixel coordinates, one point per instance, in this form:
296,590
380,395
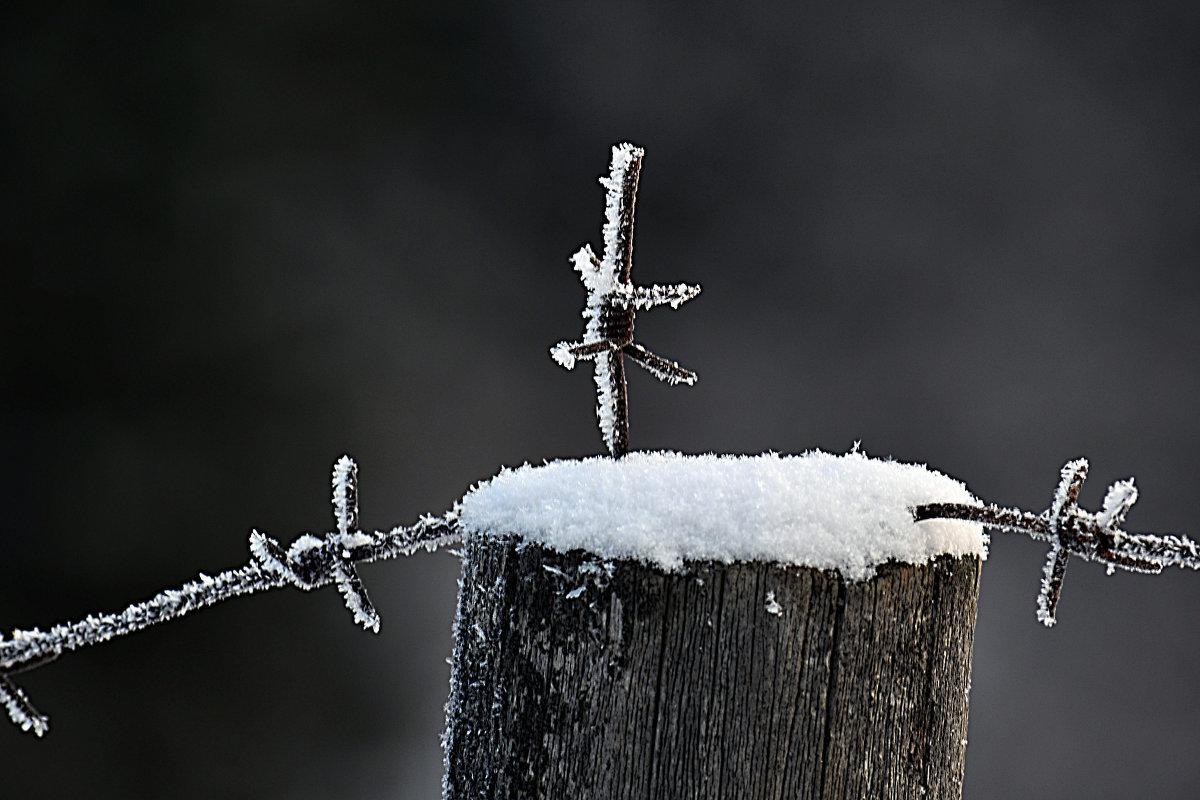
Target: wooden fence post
752,681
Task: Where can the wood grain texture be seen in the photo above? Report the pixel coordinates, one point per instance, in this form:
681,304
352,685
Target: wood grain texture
576,679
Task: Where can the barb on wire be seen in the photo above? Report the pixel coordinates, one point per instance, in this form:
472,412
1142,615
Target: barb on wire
611,302
308,563
1071,531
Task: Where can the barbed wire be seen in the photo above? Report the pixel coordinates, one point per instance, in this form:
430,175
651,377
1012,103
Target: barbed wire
1072,531
310,562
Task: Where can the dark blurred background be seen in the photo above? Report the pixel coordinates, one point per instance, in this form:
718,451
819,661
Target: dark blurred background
244,238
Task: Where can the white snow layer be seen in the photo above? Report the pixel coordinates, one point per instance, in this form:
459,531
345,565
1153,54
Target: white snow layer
848,513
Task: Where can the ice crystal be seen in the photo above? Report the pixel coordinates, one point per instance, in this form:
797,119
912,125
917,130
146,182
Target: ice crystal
773,606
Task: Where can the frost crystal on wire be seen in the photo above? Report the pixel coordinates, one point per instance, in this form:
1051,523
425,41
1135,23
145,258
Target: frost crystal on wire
611,302
1072,531
309,563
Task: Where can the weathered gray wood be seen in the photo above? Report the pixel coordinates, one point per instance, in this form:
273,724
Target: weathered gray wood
652,685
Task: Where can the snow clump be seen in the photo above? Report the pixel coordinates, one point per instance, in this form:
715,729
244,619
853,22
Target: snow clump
848,513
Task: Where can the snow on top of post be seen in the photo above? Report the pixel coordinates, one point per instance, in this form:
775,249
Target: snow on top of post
846,512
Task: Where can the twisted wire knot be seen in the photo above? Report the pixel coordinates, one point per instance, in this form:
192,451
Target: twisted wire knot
310,562
1072,531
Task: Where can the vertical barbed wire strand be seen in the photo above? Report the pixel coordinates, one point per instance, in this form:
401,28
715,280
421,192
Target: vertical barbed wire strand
612,300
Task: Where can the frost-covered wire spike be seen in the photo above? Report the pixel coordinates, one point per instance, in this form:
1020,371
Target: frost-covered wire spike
20,710
666,371
591,271
1117,501
354,594
621,184
345,494
1052,581
611,302
647,297
1071,531
1062,518
308,563
345,508
267,552
1066,494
